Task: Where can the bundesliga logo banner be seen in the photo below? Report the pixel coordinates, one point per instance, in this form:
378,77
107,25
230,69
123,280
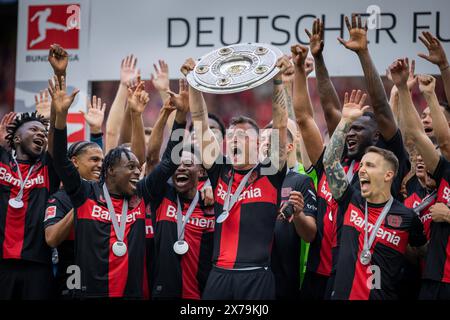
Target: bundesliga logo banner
41,24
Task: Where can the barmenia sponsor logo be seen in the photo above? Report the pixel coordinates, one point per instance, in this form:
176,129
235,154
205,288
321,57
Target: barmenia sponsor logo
389,236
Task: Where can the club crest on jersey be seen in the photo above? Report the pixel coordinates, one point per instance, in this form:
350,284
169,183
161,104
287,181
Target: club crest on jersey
50,212
394,221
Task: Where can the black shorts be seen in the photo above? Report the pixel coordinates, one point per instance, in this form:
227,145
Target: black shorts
225,284
314,286
25,280
434,290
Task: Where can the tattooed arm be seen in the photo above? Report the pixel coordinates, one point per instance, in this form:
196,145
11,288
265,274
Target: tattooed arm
279,109
209,147
336,177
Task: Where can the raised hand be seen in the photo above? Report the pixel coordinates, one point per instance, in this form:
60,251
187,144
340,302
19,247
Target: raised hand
187,66
161,80
436,53
354,106
61,101
181,100
309,65
128,71
137,99
358,34
399,71
95,114
299,55
6,121
427,84
286,67
316,38
412,78
58,59
43,104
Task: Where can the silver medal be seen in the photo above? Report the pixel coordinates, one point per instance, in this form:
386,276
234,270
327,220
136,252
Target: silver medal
119,248
15,203
222,217
180,247
365,257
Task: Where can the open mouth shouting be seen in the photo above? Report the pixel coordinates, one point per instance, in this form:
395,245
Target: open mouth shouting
365,184
181,180
38,143
352,144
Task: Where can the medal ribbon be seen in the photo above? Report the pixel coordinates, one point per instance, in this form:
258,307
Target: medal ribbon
387,207
229,203
181,225
119,229
22,182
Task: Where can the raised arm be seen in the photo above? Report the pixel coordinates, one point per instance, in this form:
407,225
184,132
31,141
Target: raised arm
327,94
279,108
440,125
209,147
6,120
156,137
61,103
336,177
95,115
437,56
413,125
358,43
137,100
304,113
128,72
58,59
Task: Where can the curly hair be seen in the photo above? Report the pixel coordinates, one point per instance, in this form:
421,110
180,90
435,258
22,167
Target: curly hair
111,159
18,121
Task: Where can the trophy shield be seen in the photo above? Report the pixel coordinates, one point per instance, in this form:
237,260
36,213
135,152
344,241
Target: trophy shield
235,68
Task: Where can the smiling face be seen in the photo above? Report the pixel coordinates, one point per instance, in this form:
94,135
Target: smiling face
89,163
124,175
361,135
242,145
186,176
31,139
375,176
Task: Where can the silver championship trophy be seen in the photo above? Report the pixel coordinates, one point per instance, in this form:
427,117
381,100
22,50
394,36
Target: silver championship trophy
235,68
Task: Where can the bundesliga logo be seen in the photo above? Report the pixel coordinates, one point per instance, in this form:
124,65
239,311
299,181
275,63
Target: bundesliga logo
48,24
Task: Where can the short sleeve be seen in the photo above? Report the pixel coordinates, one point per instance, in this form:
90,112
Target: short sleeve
417,237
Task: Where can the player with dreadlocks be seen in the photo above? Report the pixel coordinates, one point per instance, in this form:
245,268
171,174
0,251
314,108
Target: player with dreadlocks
26,181
110,214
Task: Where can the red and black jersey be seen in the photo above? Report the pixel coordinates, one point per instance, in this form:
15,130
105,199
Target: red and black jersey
104,274
437,259
400,227
58,206
245,238
285,260
324,250
149,253
415,194
21,229
181,276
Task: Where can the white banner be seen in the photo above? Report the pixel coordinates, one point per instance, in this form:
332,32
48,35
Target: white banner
177,29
